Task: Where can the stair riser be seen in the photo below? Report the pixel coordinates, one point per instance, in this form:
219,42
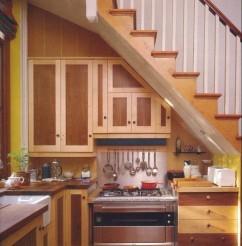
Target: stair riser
128,20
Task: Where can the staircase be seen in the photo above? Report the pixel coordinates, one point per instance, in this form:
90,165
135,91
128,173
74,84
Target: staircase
176,81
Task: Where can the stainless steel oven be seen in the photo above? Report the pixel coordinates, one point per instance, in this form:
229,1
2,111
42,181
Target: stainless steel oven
134,223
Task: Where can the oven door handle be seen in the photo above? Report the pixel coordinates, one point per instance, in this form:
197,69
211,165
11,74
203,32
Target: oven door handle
130,208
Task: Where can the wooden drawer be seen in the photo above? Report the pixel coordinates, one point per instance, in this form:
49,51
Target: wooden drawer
207,212
207,239
208,198
207,226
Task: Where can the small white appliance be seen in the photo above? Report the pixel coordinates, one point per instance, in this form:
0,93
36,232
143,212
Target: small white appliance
211,171
224,177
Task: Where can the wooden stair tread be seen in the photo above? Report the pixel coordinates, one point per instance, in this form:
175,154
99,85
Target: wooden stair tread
228,116
186,74
144,33
164,54
208,95
120,12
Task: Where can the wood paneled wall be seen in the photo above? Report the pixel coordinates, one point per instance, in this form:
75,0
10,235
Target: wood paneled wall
52,36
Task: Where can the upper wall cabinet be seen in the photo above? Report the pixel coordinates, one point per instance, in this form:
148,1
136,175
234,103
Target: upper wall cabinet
124,103
60,106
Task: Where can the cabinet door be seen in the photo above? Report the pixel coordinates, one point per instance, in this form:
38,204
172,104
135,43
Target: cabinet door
143,113
100,98
56,227
122,78
76,106
77,218
44,106
119,113
163,116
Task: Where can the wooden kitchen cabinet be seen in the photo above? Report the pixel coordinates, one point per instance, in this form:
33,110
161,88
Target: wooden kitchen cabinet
30,234
131,113
77,231
60,106
56,235
208,217
124,103
100,98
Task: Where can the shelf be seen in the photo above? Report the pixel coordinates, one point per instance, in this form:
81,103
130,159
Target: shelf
189,152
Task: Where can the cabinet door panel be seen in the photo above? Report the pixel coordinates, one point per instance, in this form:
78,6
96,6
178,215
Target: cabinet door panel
143,115
122,78
100,97
44,90
76,98
119,119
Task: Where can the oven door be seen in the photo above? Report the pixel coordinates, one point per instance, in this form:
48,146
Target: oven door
139,224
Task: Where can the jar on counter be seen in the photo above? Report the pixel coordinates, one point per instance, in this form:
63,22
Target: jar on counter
86,173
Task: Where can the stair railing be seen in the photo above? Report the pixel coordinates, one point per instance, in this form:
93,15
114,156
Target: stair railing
206,41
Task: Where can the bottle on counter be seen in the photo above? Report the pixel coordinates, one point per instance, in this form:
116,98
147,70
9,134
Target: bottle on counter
86,173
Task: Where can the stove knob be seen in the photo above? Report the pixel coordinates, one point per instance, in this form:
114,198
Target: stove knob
168,221
169,215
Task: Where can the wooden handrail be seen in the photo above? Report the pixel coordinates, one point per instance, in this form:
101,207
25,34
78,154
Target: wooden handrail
223,18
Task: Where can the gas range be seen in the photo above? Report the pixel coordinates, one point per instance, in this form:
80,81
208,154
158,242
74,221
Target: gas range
136,195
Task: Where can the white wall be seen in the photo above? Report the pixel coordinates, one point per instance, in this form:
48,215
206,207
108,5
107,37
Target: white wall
231,9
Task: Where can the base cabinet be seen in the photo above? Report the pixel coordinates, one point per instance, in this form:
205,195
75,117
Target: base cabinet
208,218
77,225
30,234
56,235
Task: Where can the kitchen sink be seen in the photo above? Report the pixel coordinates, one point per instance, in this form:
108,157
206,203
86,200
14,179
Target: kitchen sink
28,199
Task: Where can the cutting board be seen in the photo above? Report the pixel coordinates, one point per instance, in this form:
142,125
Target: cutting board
192,182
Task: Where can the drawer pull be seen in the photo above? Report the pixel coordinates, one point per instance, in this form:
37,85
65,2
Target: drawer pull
208,197
208,225
223,238
209,211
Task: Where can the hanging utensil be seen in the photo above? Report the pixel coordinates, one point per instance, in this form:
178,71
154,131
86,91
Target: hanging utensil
143,162
115,175
155,169
148,169
128,164
132,171
137,161
108,168
118,167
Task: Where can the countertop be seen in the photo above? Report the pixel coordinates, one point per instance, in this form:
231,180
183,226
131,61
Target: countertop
207,189
48,188
15,216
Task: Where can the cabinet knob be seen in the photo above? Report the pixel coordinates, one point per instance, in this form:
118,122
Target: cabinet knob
192,239
208,225
209,211
208,197
134,122
222,238
129,122
104,117
90,135
168,117
58,135
83,197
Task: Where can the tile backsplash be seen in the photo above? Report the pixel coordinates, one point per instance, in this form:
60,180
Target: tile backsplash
124,177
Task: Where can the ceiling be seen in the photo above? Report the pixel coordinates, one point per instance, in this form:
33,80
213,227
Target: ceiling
71,10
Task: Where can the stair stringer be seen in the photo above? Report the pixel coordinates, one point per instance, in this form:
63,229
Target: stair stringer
158,76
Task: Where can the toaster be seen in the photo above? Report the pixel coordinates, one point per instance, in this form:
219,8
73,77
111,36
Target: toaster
224,177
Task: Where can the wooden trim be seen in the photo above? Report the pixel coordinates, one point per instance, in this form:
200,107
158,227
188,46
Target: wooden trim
136,135
62,154
228,116
223,18
185,75
73,58
164,54
5,102
208,95
239,138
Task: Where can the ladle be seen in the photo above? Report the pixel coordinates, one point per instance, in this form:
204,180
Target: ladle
155,169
